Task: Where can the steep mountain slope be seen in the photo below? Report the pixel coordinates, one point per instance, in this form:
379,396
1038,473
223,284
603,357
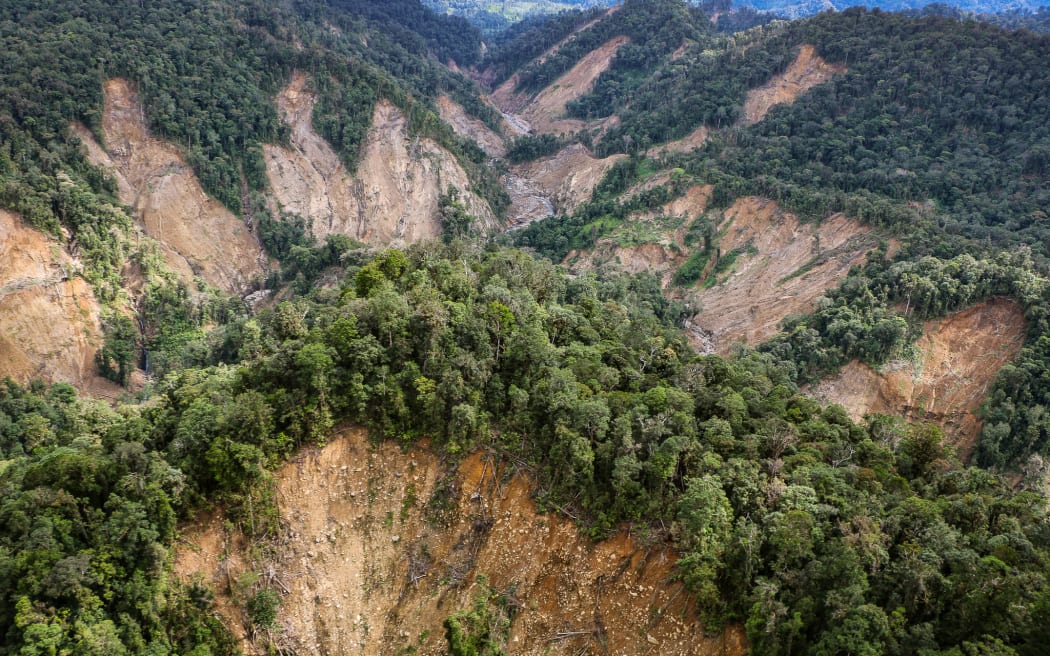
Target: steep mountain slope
395,193
497,388
50,325
955,363
197,234
363,535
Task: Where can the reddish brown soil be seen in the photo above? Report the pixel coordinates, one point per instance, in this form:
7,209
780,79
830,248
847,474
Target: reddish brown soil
363,570
807,71
958,358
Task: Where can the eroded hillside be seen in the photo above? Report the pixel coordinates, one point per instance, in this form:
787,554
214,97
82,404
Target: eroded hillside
49,318
378,547
545,111
954,365
805,72
197,234
568,177
763,263
768,266
394,195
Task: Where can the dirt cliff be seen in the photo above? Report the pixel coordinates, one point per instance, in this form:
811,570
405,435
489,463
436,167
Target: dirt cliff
379,546
805,72
955,363
197,234
392,198
49,318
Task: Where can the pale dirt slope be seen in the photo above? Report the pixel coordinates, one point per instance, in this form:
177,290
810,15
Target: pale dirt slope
958,358
393,198
807,71
568,177
755,295
469,127
545,112
49,318
366,573
198,235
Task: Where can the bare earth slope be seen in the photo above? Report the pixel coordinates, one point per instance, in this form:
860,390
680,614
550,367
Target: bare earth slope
196,232
783,266
568,177
367,570
958,358
394,195
545,112
49,318
469,127
807,71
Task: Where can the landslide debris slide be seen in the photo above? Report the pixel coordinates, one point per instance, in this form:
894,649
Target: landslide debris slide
768,377
367,568
394,196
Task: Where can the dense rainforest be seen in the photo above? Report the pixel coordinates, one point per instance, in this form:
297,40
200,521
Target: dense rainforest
819,535
962,181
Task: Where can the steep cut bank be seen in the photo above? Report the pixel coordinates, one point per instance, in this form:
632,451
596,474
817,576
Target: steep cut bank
394,196
955,363
805,72
49,318
769,266
379,547
197,234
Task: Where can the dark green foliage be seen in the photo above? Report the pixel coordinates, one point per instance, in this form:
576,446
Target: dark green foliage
816,533
447,37
527,148
530,38
482,629
456,221
262,608
117,357
86,523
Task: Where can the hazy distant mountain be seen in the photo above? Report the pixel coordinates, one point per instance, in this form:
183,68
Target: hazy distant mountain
793,8
493,16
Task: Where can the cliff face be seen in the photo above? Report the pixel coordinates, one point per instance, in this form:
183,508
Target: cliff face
379,546
394,195
49,318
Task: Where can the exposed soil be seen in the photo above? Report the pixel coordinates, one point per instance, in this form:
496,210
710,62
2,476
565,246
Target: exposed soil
469,127
958,358
198,235
393,198
568,177
366,568
695,139
807,71
664,250
783,267
545,113
49,318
